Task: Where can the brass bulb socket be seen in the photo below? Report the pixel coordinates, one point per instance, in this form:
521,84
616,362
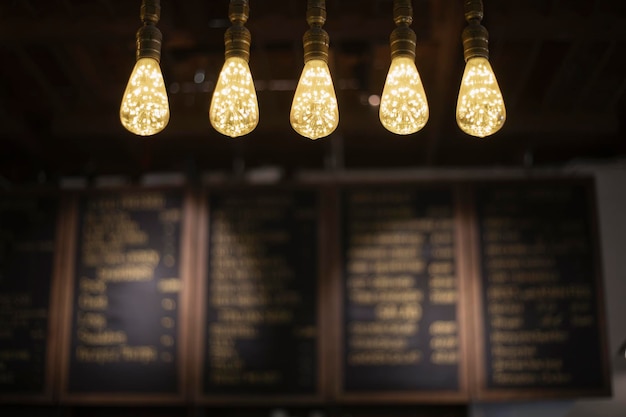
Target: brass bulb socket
475,41
316,12
403,42
149,40
238,11
473,10
237,40
150,11
316,42
402,12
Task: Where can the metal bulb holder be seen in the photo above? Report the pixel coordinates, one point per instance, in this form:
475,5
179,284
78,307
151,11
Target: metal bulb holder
314,112
149,37
316,41
403,39
403,105
480,109
237,38
145,107
234,109
475,36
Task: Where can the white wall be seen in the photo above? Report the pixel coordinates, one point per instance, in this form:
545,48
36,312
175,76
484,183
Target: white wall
611,190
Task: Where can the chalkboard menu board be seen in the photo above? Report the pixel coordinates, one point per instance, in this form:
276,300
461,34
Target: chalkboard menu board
126,294
27,244
260,335
400,286
540,288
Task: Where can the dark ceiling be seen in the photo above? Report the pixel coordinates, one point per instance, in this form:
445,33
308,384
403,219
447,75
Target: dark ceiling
561,66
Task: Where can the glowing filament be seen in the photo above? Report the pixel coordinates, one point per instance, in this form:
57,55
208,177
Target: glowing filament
480,108
145,109
234,107
403,107
314,112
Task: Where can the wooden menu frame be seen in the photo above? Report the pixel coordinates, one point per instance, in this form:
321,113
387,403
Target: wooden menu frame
194,241
182,337
199,313
426,396
480,390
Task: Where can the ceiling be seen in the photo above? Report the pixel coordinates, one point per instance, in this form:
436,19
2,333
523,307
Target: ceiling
561,65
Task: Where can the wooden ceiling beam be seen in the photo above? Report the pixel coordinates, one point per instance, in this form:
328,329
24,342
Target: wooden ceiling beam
28,7
85,69
563,27
559,77
520,25
10,127
620,91
13,130
67,5
448,29
38,75
561,124
106,4
595,75
55,29
521,85
22,31
195,13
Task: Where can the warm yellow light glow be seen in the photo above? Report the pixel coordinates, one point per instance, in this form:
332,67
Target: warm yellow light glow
314,112
234,107
480,108
145,109
403,106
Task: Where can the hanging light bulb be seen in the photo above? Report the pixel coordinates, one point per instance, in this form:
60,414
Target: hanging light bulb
480,107
403,106
145,108
234,109
314,111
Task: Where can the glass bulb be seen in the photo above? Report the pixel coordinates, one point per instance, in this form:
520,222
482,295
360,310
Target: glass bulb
403,106
480,108
314,112
234,107
145,109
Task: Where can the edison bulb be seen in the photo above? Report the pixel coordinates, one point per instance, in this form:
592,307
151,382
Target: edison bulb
480,108
403,106
314,112
234,107
145,109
